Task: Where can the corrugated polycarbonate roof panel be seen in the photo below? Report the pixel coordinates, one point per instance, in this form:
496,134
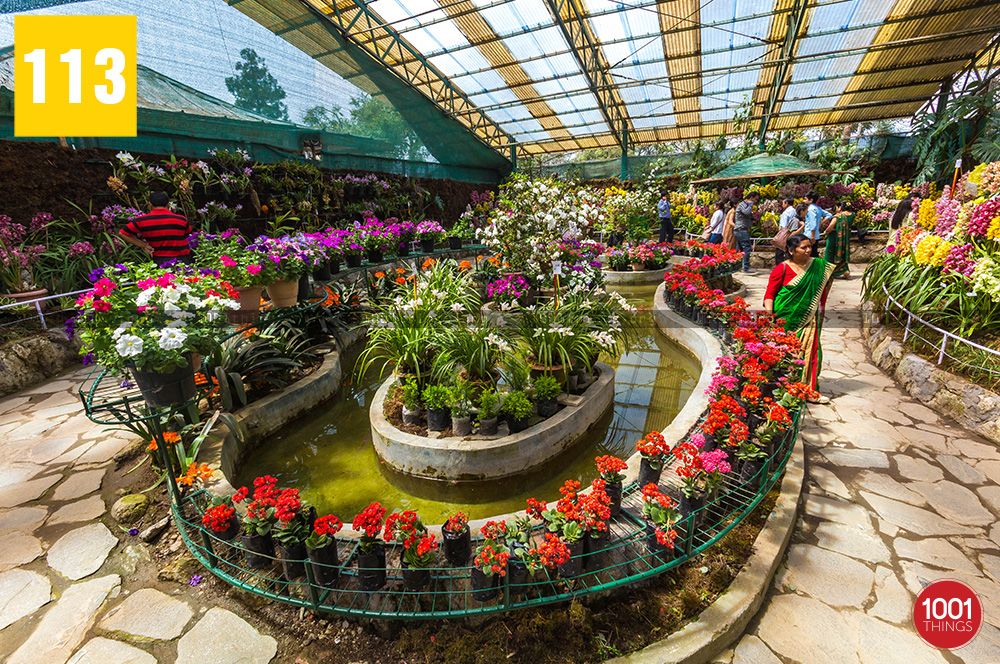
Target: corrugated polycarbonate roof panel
719,51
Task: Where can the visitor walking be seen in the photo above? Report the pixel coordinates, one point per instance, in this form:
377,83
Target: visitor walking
815,216
716,223
838,242
161,233
791,223
744,222
666,222
729,227
797,291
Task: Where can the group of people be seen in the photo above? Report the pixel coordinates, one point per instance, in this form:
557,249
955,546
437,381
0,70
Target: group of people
730,224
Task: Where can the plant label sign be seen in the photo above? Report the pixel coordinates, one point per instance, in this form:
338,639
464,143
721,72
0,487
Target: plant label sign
75,75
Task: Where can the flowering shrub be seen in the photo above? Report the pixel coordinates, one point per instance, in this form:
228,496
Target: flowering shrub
219,518
456,523
369,522
153,318
430,230
653,447
609,467
508,289
323,531
491,558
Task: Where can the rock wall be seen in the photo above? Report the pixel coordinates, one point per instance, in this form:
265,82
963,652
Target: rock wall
971,405
31,360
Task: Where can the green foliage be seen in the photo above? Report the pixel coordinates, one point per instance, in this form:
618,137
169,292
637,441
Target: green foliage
255,88
967,121
460,399
411,394
436,397
517,405
489,404
546,388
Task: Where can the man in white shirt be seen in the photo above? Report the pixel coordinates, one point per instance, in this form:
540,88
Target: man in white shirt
789,219
717,222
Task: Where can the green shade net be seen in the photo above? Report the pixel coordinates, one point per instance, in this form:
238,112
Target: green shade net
766,166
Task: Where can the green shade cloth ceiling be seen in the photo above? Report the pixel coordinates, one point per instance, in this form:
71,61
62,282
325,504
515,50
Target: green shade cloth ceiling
766,166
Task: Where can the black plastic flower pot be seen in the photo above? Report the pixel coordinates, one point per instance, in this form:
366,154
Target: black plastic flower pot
403,249
547,407
595,549
661,551
325,563
162,389
292,558
371,567
305,288
484,588
322,272
709,442
457,546
517,576
438,419
427,246
751,469
614,491
574,565
518,425
692,506
416,578
411,416
353,260
259,550
648,474
334,266
374,256
488,427
461,426
454,243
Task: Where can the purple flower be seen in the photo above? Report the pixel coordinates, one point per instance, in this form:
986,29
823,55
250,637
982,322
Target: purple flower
95,274
133,531
126,384
196,580
70,327
88,359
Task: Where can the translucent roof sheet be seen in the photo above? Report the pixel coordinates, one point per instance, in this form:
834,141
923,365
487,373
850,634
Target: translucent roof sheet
553,75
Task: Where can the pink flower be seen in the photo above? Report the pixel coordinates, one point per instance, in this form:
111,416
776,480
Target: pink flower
253,269
101,305
103,287
227,261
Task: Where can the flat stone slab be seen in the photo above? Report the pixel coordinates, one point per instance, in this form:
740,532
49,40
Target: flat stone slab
79,484
916,520
856,458
878,642
936,552
830,577
917,469
87,509
954,502
81,552
893,602
18,549
22,592
63,627
222,637
23,519
862,543
840,511
828,481
105,651
20,493
149,613
804,629
752,650
884,485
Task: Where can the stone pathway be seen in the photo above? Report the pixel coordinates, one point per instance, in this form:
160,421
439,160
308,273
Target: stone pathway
896,497
68,591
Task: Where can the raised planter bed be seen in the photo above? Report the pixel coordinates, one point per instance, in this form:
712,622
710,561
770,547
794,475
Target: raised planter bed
479,458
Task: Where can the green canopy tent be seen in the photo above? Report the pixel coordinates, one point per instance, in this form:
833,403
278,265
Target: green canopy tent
765,166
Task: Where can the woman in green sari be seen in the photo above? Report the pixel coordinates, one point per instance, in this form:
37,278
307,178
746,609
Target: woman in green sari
838,242
796,292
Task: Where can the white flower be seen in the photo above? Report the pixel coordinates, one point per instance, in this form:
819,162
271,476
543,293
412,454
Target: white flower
172,338
129,345
143,298
125,158
457,308
121,329
603,339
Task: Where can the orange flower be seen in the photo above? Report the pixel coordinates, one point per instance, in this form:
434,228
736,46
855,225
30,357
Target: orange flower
465,265
400,280
171,437
400,270
427,264
380,274
195,473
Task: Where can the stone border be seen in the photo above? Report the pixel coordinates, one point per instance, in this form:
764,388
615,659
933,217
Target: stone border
475,459
974,407
30,360
724,621
625,278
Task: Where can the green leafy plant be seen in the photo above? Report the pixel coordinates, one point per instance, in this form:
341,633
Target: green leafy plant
489,404
546,388
460,399
517,405
411,394
436,397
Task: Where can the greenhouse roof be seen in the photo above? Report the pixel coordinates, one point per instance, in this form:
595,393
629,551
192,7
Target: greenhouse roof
764,166
558,75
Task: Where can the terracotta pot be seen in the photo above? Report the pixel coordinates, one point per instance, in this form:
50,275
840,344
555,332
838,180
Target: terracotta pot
283,293
26,295
249,310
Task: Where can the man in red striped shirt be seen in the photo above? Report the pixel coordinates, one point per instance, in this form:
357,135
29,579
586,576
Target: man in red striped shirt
160,233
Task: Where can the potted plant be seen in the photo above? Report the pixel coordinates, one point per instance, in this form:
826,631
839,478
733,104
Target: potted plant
376,238
436,400
18,256
457,539
595,510
565,521
321,547
610,468
290,532
458,233
406,231
654,450
661,515
258,521
545,390
429,233
549,555
489,407
418,547
151,321
291,259
518,410
716,468
242,265
411,401
751,457
490,565
220,519
353,250
691,470
618,260
460,404
371,551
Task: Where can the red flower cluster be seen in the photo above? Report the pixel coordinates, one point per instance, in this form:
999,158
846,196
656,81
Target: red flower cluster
401,525
535,508
327,525
610,467
219,518
456,523
552,552
287,505
653,446
492,559
425,544
595,507
494,530
369,520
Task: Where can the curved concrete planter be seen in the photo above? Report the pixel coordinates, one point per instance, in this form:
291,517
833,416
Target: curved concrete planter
473,459
643,278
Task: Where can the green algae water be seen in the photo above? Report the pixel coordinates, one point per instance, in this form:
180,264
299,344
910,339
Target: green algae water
329,456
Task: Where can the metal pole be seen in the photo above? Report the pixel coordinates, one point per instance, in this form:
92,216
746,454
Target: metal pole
624,170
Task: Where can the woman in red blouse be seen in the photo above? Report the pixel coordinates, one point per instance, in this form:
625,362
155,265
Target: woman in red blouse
796,292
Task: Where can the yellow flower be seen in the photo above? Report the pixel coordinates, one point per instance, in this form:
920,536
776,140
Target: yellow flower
927,216
864,190
993,232
931,250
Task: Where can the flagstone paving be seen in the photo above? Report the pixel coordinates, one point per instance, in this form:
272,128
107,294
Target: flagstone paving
895,498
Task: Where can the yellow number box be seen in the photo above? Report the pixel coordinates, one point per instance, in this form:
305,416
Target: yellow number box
74,76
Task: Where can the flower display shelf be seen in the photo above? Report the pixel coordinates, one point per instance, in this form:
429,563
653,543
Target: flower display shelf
626,559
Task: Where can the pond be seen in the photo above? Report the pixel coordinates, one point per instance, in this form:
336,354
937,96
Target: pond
329,456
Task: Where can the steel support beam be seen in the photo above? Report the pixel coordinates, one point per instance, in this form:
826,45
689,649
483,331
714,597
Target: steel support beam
797,24
572,21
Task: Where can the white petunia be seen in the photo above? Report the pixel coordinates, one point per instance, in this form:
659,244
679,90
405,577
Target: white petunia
121,329
129,345
172,338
